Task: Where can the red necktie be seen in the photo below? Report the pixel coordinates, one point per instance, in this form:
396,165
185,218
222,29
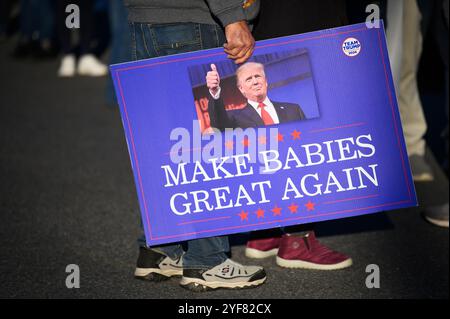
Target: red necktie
267,119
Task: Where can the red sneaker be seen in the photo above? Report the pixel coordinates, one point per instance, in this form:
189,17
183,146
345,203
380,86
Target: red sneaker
307,252
262,248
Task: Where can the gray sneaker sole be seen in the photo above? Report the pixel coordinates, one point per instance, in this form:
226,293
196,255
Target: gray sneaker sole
156,275
200,285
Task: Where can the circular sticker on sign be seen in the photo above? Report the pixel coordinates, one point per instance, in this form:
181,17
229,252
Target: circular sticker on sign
351,47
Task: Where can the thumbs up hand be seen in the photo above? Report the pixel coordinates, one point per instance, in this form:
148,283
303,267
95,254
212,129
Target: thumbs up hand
213,80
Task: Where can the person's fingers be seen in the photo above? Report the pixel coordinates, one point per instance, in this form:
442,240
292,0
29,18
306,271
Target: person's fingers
234,45
212,79
212,74
245,57
238,50
212,85
243,52
233,52
240,42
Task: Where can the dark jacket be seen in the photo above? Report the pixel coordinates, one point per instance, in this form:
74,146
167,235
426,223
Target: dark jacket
286,17
248,117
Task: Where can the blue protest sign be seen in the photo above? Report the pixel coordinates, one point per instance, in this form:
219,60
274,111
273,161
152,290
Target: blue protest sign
308,131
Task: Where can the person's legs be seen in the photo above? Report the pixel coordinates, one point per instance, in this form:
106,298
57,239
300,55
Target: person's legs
435,23
205,263
120,41
413,118
440,33
67,67
5,12
88,64
46,20
26,19
24,45
120,35
394,35
86,22
205,253
63,33
45,16
149,41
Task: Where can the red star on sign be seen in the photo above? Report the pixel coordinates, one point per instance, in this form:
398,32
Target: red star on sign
245,142
310,206
229,145
260,213
243,215
276,211
262,140
280,137
296,135
293,208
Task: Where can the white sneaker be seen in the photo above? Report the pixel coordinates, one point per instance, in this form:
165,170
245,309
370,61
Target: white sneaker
89,65
67,67
228,274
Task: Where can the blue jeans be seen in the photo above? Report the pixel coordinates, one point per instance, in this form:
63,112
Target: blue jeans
120,41
36,16
153,40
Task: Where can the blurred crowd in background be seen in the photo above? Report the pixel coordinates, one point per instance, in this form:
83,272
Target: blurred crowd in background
417,34
39,30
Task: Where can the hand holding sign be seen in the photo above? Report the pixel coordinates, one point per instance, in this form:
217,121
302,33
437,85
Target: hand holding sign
213,80
240,42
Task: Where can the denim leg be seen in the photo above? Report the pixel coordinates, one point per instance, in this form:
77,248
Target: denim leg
64,35
26,19
139,51
206,252
87,23
5,13
46,22
148,41
120,41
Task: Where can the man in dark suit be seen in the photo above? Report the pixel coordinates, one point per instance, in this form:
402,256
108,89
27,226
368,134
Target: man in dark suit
259,111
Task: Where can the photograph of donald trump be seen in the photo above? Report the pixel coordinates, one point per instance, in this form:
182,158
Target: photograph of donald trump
259,110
